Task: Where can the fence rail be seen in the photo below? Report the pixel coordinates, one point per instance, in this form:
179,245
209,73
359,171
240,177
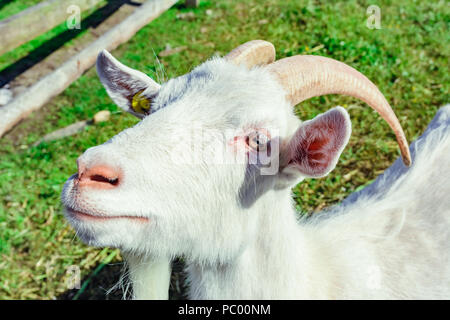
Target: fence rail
54,83
34,21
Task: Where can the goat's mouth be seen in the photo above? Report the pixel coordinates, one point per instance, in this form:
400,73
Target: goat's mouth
80,215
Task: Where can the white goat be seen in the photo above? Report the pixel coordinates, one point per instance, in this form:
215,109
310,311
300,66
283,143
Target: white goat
154,195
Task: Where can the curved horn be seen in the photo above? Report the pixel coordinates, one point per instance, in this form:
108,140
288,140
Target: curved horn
304,77
252,53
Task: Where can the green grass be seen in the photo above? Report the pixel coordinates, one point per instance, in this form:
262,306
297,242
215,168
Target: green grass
407,59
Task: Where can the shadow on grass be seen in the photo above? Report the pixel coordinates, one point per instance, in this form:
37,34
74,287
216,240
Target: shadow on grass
48,47
106,276
4,3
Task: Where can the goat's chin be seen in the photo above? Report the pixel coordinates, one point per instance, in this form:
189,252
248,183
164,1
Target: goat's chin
117,232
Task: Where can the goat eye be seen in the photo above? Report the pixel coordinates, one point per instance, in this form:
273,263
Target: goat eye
258,141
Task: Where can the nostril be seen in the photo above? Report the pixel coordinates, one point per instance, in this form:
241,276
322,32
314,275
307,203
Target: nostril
100,178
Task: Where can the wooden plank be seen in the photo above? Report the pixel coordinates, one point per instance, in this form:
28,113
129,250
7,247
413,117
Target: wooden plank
54,83
34,21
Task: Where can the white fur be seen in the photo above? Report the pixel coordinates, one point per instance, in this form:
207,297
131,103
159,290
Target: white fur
150,277
238,231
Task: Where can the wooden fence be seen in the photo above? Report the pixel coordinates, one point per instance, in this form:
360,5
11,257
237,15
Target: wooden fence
28,24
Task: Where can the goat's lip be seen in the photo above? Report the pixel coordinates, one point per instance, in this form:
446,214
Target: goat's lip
87,216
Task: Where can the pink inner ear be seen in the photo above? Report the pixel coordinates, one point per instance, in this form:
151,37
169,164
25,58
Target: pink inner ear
317,145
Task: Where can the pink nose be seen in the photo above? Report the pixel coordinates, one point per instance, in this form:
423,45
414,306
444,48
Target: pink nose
99,176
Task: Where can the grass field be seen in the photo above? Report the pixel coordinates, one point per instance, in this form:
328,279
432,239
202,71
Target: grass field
407,58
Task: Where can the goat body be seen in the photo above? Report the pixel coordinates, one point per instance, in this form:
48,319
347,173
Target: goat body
390,240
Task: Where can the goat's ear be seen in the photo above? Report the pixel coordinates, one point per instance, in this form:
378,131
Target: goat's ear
316,146
130,89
